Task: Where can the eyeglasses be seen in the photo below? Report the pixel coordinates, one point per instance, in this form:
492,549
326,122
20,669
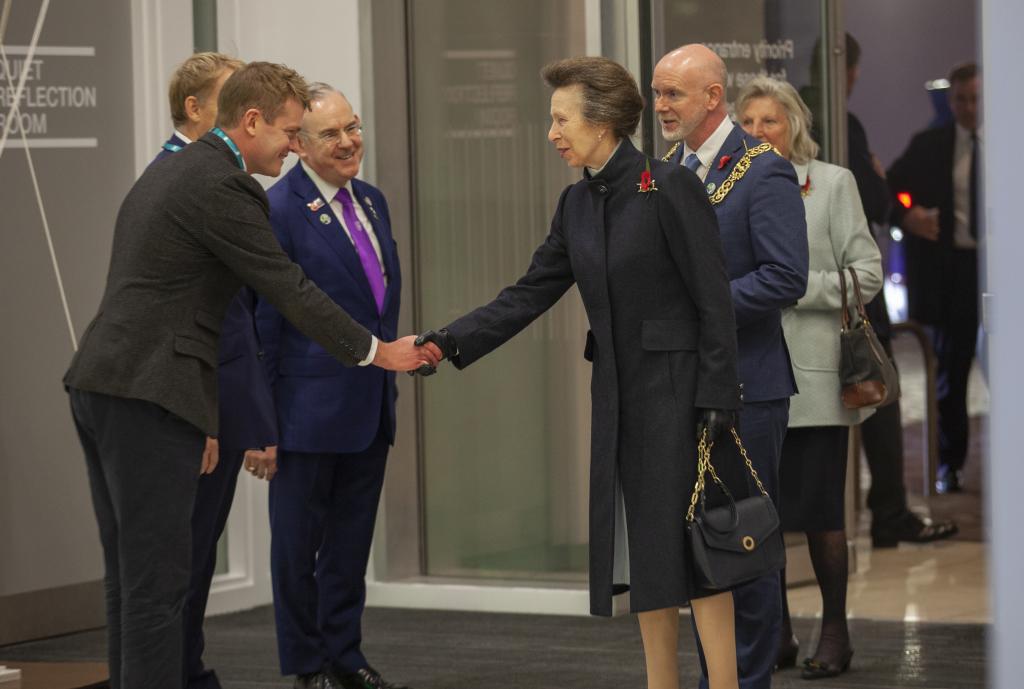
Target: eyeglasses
332,137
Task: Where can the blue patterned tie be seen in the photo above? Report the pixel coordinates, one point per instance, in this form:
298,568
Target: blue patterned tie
692,162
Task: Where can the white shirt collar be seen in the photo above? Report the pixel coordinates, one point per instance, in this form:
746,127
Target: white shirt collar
327,190
712,145
964,134
177,133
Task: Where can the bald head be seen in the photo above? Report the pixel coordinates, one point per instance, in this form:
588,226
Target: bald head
698,61
689,93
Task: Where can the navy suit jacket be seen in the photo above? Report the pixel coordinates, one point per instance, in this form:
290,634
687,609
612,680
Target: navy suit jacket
764,235
322,406
245,401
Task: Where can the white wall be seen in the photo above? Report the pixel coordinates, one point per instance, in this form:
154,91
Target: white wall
1001,21
320,40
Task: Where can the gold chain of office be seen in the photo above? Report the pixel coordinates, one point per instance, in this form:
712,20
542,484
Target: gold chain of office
738,170
704,465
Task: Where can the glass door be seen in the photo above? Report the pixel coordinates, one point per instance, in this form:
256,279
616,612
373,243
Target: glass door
505,443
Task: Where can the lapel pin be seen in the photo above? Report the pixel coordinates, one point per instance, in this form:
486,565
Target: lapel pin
711,187
315,204
325,219
369,204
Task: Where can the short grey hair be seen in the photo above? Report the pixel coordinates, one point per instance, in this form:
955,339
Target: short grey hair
318,91
802,148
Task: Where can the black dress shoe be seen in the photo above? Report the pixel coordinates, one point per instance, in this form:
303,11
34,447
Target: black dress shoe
365,678
315,680
950,482
911,529
789,649
816,669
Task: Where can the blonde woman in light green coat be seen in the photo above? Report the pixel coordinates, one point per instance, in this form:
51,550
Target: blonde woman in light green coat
812,470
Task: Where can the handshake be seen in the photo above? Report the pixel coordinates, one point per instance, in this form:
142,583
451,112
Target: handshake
417,353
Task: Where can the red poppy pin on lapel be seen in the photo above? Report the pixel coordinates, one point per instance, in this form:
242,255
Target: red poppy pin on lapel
646,184
723,161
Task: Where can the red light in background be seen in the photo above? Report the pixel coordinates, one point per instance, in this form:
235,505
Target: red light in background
904,198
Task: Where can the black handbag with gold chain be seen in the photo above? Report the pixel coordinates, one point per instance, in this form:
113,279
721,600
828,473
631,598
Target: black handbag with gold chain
736,542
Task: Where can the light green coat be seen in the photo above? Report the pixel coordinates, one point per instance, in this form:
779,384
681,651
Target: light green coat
837,235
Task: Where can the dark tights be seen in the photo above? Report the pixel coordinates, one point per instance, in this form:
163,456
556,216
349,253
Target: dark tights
830,559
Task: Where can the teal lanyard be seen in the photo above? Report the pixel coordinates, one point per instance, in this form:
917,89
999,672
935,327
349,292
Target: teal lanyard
173,148
231,144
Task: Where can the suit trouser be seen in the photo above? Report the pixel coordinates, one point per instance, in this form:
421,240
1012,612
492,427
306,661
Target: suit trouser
214,496
322,512
955,342
882,436
758,605
143,464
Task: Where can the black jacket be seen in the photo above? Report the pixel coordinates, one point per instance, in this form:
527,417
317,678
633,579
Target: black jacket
925,170
192,229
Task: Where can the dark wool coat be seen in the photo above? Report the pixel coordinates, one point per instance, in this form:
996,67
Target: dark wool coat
652,277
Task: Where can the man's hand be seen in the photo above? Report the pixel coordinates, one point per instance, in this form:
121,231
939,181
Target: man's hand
211,455
922,222
443,341
261,463
404,355
715,422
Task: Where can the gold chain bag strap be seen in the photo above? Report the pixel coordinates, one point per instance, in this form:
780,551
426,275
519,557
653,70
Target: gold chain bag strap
737,542
867,375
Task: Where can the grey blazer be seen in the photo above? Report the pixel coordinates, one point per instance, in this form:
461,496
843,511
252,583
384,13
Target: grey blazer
837,235
193,228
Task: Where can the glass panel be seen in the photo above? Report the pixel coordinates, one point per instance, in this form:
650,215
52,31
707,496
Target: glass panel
781,38
506,442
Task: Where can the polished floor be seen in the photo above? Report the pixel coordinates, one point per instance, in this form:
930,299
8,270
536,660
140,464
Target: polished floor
458,650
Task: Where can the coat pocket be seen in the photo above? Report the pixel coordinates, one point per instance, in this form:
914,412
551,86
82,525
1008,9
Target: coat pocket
669,335
198,349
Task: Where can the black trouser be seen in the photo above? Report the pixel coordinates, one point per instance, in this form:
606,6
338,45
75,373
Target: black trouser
213,505
882,436
143,464
955,341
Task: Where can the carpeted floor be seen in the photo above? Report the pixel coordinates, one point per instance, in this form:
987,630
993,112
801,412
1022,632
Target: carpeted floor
457,650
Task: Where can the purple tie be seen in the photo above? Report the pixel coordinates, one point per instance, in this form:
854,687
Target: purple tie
364,247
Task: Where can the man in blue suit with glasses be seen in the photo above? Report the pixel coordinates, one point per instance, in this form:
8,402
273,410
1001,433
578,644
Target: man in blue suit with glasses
336,424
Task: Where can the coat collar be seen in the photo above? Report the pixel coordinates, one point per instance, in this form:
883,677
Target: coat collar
217,143
621,171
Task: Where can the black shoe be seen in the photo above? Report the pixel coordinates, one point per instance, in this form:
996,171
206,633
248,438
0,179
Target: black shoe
815,669
912,529
315,680
365,678
789,649
950,482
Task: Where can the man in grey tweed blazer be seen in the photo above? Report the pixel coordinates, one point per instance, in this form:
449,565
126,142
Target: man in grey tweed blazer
143,384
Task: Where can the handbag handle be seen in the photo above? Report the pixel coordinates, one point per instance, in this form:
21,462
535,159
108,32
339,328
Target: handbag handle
704,465
858,295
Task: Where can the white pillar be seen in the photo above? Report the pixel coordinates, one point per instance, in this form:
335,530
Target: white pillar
1003,106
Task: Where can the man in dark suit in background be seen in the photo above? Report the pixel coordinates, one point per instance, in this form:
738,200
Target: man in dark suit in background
939,171
143,384
764,235
336,423
193,91
248,425
882,432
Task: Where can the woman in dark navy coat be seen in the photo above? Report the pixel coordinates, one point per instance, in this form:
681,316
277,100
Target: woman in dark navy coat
640,239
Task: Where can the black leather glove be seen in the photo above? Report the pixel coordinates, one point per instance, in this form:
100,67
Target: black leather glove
444,341
716,422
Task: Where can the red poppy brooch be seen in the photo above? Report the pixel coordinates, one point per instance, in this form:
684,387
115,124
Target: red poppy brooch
646,184
723,161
